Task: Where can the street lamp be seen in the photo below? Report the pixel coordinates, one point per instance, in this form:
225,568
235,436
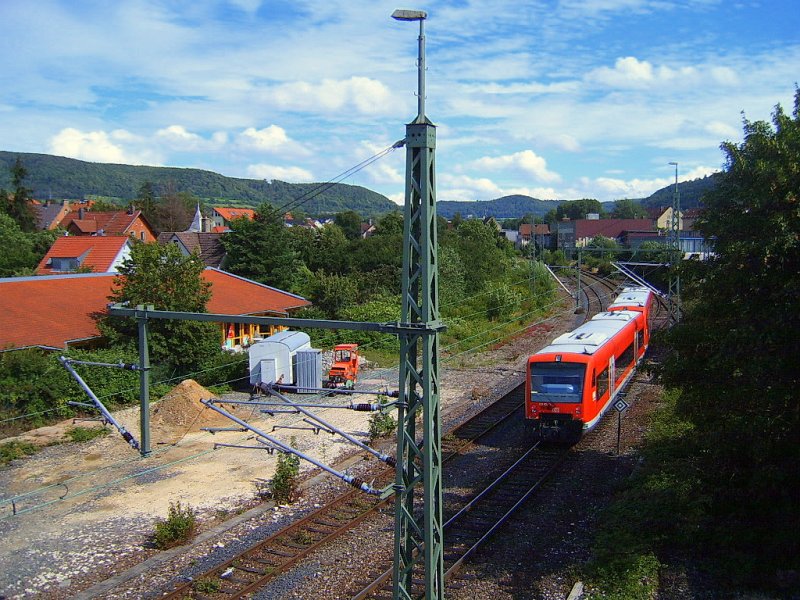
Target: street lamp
419,534
674,277
417,15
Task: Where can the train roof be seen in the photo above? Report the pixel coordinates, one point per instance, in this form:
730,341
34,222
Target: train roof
633,296
589,337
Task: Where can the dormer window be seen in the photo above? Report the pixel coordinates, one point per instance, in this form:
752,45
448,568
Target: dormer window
64,263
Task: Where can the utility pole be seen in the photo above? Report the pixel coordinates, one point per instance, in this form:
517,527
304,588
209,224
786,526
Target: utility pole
675,253
418,534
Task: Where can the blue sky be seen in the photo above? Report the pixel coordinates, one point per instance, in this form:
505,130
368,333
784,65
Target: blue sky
554,99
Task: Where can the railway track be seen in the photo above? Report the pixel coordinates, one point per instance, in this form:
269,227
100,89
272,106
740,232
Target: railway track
475,522
469,527
251,569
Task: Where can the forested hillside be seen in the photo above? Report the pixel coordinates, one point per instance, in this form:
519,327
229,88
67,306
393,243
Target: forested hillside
59,178
690,191
515,206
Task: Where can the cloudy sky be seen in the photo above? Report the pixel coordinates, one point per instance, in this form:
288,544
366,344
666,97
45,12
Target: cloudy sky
557,99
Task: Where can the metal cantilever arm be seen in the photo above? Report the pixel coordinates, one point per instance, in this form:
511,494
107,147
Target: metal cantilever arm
349,479
96,401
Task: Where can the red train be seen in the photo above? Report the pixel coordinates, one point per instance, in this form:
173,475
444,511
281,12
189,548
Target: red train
572,382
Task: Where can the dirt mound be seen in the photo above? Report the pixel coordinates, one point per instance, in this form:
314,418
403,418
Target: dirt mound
181,411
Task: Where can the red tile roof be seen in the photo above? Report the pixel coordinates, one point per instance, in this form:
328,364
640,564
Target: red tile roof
58,309
97,252
116,222
610,228
236,295
229,213
51,311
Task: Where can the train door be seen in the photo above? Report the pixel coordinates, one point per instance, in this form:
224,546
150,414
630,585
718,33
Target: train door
612,375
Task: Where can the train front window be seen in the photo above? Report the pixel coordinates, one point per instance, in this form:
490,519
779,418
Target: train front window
557,382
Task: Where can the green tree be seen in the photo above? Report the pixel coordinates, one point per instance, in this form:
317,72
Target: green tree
350,223
17,204
628,209
480,247
262,250
333,293
16,248
303,241
162,276
575,210
390,224
734,354
332,250
146,201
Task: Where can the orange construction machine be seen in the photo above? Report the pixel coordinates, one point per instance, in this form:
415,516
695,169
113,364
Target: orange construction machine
344,369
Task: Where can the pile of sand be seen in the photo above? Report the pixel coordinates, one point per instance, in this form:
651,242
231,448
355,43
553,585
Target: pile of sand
180,411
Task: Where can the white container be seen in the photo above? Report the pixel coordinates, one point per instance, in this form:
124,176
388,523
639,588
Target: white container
272,360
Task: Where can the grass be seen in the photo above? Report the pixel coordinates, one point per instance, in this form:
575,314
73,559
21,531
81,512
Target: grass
662,507
14,450
85,434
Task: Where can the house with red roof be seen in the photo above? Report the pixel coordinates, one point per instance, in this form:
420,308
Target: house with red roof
578,233
98,254
59,311
540,232
221,216
131,223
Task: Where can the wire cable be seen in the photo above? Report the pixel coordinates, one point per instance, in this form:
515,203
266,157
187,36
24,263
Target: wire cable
323,187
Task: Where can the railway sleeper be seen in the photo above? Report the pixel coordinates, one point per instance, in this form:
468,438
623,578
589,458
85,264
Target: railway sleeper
273,550
252,570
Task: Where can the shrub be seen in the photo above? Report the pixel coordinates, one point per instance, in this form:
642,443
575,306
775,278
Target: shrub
177,529
381,423
283,485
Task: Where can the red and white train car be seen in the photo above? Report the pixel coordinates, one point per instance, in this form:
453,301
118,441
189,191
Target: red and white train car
572,382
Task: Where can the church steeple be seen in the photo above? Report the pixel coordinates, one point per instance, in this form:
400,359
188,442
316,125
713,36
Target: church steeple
197,222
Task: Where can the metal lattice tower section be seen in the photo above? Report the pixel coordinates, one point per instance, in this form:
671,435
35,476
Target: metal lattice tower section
418,518
675,253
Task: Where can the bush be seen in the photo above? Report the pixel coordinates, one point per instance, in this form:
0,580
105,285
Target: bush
502,302
283,485
37,387
381,423
177,529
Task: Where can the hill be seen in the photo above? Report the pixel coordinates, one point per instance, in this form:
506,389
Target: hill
507,207
690,191
58,177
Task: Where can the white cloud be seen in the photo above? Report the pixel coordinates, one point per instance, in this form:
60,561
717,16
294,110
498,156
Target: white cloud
722,131
463,187
269,138
367,96
527,161
631,73
288,174
98,146
177,137
399,198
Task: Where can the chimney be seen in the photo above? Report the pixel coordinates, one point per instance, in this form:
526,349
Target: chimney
80,213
